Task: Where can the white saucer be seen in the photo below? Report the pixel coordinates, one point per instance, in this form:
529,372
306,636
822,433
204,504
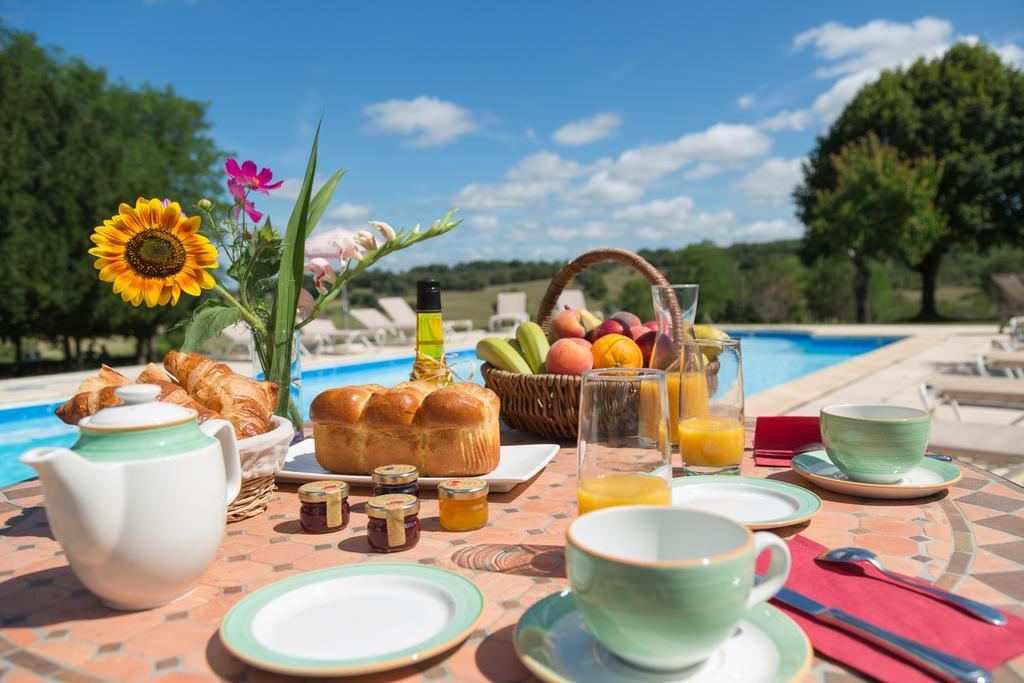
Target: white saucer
752,501
554,644
929,477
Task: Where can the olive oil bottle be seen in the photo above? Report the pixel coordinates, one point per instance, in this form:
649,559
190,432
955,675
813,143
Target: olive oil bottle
430,363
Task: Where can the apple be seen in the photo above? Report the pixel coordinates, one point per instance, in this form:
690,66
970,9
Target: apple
638,331
651,325
609,327
627,319
646,344
567,324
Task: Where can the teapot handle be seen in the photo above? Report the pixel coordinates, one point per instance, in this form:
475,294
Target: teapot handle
225,434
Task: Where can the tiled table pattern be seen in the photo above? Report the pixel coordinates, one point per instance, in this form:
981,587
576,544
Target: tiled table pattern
971,541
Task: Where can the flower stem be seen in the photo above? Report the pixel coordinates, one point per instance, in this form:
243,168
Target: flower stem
250,318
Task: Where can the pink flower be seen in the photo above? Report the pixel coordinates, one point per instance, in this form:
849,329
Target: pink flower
322,273
348,249
306,303
248,177
238,192
366,240
386,231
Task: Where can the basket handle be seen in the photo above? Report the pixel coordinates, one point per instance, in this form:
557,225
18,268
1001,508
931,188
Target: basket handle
590,258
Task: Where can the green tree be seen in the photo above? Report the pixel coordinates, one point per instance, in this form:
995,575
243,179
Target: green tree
880,206
74,147
965,109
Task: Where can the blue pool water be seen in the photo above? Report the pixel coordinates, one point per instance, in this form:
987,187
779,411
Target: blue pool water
769,359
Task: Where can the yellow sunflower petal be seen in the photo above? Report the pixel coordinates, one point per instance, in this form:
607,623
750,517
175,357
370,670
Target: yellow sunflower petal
170,215
188,227
165,295
188,284
175,294
151,290
205,280
111,270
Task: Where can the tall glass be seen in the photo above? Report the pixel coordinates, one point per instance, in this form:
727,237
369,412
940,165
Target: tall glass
675,308
624,452
711,427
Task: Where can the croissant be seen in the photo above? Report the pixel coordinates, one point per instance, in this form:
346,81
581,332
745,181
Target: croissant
107,377
86,403
153,374
246,403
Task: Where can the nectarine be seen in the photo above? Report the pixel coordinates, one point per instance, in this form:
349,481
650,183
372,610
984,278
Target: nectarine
569,357
567,324
628,320
609,327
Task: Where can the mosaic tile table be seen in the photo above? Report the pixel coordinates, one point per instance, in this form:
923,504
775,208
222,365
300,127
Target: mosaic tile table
970,541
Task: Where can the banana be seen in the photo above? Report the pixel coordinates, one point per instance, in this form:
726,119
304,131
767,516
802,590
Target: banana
712,333
589,320
501,355
514,343
535,345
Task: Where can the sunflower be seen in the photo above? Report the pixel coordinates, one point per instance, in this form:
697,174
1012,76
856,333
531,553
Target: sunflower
153,253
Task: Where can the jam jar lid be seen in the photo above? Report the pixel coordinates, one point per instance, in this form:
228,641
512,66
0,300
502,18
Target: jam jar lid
317,491
379,506
395,474
462,489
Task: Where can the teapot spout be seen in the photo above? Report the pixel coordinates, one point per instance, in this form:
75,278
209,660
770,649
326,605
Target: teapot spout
83,500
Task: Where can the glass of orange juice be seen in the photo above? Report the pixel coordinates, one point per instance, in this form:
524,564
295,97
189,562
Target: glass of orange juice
710,389
623,450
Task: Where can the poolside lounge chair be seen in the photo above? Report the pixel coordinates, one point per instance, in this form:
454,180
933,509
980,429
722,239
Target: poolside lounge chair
1012,289
322,336
511,309
404,317
999,444
957,389
377,324
1011,363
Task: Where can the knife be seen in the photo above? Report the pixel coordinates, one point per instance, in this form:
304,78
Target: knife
945,666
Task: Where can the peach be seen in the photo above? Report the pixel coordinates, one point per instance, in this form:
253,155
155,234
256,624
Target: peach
609,327
637,331
569,357
627,319
582,342
567,324
646,344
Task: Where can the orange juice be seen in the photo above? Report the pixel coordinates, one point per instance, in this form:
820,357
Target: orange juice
630,488
711,441
695,400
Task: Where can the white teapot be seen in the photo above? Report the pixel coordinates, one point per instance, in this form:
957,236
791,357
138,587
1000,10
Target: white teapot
139,502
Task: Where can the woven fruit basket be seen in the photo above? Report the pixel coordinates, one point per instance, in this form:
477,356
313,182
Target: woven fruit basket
547,404
262,457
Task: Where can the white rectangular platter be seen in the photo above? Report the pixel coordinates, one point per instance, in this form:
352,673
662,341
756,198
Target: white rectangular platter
518,463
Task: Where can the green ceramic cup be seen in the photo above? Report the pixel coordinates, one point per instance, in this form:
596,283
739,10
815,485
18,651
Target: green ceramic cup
662,587
875,444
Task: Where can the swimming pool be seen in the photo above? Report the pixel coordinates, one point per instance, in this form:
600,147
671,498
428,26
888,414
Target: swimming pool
769,359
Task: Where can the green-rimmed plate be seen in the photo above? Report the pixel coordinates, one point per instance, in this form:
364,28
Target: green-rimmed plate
753,502
555,645
929,477
344,621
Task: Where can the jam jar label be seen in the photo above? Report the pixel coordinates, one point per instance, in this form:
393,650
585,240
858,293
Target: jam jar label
334,508
396,527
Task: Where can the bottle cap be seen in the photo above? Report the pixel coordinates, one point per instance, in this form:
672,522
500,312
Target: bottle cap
400,503
395,474
462,489
428,295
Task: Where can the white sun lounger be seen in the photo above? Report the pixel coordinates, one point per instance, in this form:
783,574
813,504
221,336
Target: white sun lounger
377,324
998,444
404,317
323,336
511,309
957,389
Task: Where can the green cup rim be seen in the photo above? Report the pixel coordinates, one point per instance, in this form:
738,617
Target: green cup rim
923,414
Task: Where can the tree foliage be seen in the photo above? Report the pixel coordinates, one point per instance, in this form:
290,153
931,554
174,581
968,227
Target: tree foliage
965,109
74,146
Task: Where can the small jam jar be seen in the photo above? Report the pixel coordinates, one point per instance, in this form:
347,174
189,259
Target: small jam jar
396,479
393,523
463,504
324,506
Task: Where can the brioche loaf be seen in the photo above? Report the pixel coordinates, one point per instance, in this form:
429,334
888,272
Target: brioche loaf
444,432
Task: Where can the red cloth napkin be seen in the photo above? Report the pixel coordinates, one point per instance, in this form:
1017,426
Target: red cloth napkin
895,607
777,439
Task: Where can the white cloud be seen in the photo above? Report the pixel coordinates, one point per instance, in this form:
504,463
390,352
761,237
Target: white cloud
426,121
661,210
483,221
601,188
350,212
289,190
772,182
663,221
530,134
786,119
745,101
767,231
534,178
588,130
1011,54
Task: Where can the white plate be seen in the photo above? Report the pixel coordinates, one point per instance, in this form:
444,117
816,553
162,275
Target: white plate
518,463
754,502
928,478
347,620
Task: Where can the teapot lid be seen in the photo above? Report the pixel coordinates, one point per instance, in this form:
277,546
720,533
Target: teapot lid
141,410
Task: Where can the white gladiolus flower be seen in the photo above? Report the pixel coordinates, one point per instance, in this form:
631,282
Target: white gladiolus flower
386,231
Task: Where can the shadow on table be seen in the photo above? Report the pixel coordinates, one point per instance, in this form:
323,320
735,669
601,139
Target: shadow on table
29,522
791,477
46,597
520,559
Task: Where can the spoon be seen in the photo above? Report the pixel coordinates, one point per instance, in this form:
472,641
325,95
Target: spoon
854,555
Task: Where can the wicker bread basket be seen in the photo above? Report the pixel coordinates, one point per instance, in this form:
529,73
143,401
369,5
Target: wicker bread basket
262,457
548,405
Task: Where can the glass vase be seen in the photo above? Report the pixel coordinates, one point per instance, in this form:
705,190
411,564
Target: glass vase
259,353
675,308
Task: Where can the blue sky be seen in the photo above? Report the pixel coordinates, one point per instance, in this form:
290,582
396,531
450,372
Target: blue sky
555,126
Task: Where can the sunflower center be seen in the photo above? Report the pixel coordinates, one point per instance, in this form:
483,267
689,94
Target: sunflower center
155,253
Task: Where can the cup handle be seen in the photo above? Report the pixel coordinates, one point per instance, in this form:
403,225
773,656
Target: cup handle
778,569
225,434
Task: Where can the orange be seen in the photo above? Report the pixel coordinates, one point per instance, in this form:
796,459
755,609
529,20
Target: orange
616,351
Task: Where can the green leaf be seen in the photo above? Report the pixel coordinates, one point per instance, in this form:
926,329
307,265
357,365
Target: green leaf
207,321
322,200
